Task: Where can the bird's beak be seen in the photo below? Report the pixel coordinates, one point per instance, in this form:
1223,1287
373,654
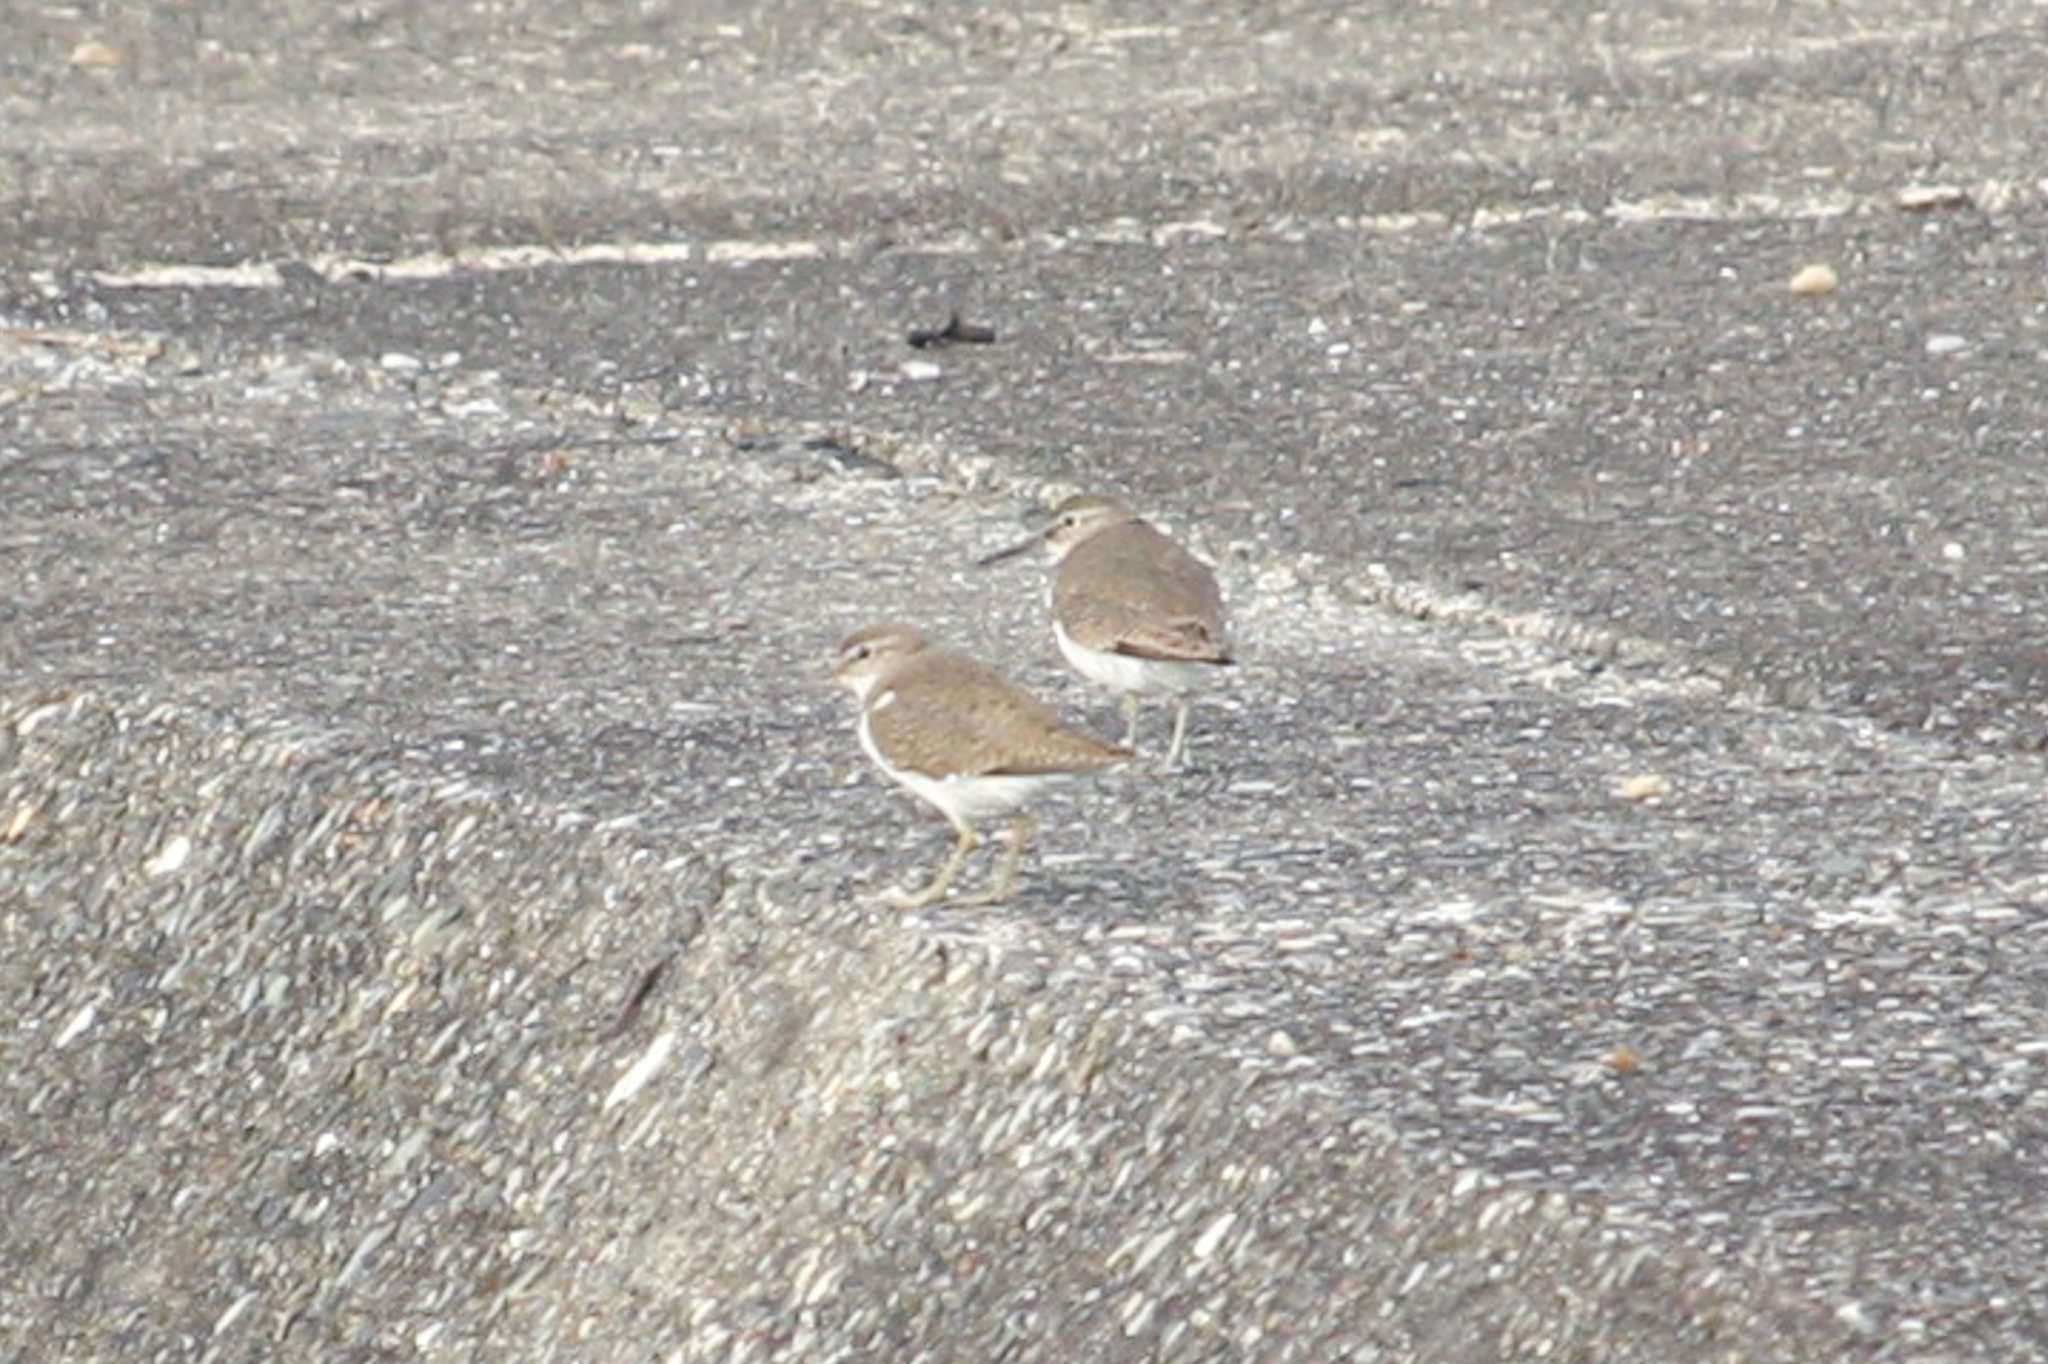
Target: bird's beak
1037,537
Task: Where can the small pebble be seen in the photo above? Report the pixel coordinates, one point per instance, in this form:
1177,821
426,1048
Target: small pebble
1643,786
170,857
1816,279
71,1031
1930,196
94,54
1945,344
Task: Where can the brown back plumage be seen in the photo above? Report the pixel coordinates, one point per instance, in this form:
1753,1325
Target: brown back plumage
950,716
1128,589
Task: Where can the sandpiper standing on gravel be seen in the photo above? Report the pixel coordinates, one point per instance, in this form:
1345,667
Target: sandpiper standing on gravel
1131,610
962,739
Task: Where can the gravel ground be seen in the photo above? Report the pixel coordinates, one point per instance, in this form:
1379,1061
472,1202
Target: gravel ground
1603,918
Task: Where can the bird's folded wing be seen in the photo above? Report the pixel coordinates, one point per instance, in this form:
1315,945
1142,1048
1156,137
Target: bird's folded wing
981,733
1186,640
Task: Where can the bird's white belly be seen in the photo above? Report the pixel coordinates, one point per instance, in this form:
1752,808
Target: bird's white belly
1123,673
963,799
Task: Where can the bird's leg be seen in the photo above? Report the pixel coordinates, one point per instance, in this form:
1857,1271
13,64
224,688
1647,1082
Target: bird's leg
966,843
1131,720
1006,870
1181,706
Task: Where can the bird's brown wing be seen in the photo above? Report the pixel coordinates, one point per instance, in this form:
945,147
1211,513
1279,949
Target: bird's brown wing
1130,590
1178,641
961,719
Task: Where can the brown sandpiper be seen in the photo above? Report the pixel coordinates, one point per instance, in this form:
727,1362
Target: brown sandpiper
960,738
1131,610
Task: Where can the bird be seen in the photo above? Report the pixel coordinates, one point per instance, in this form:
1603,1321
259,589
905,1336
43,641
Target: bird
1131,610
960,738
